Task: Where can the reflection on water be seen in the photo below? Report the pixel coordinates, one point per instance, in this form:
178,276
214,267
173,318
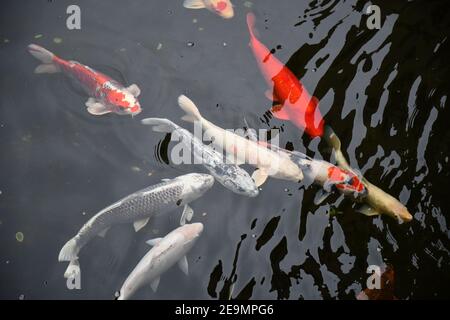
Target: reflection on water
383,91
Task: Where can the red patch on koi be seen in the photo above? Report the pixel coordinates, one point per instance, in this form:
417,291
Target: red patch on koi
117,98
134,109
221,5
338,175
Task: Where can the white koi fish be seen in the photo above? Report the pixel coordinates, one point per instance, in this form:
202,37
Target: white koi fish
240,150
165,253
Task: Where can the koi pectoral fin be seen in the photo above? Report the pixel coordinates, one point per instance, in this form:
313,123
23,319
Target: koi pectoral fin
320,196
47,68
187,215
259,176
103,232
139,224
96,108
134,90
367,211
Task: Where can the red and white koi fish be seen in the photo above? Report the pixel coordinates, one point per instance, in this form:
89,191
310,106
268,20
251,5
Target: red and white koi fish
105,94
223,8
293,102
320,172
377,201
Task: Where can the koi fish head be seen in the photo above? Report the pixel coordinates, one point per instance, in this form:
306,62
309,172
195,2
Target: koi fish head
238,180
125,101
347,182
192,230
223,8
195,185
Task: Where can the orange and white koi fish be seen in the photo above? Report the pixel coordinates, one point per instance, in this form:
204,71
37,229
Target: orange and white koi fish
293,102
223,8
105,94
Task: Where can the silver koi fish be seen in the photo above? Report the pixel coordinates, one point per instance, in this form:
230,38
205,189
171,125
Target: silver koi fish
138,208
165,253
230,176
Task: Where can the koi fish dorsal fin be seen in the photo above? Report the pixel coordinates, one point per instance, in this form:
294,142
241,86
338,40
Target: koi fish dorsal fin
280,113
194,4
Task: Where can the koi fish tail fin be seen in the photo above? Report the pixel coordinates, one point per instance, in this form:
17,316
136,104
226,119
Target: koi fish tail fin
46,57
332,139
251,24
192,113
160,125
73,270
70,251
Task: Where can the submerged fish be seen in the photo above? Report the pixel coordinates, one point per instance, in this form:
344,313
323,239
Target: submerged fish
165,253
137,208
223,8
377,201
328,176
230,176
105,94
321,173
240,150
293,102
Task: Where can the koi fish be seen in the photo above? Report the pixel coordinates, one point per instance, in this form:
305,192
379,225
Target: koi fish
230,176
223,8
165,253
240,150
105,94
377,201
292,100
138,208
321,173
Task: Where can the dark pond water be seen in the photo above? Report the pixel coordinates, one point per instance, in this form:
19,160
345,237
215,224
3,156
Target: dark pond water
383,91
